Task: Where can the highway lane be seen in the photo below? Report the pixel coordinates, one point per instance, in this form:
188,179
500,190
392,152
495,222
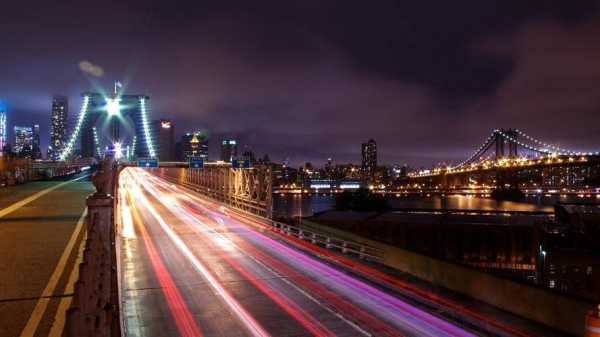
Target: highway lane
41,230
192,268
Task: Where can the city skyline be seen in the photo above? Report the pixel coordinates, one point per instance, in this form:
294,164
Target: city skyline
442,89
320,168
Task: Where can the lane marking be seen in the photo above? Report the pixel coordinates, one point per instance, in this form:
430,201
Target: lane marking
59,319
21,203
42,303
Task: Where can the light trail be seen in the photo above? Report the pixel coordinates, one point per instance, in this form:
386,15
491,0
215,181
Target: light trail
249,322
314,328
395,310
186,325
300,315
372,273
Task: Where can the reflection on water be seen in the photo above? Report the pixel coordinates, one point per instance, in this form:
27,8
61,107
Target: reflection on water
304,205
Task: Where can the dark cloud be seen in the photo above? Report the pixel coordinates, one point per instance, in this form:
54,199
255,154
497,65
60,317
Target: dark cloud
310,80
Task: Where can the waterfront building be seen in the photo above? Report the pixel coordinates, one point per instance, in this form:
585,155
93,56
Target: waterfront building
193,144
164,136
369,157
36,151
3,135
58,126
228,149
23,140
249,156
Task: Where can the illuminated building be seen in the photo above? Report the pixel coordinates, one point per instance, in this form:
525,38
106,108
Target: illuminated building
23,140
2,130
249,156
369,157
58,126
193,144
36,152
164,137
228,149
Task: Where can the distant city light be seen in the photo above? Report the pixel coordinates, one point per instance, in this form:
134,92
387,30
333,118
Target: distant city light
350,186
165,124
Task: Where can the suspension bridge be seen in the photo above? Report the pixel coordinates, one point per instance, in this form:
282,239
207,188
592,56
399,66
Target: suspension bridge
112,111
511,158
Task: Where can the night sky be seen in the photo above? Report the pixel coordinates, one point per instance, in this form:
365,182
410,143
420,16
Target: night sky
308,80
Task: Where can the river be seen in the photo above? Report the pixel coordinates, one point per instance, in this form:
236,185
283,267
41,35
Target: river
293,205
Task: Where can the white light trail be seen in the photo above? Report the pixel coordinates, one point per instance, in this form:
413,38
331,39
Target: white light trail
249,322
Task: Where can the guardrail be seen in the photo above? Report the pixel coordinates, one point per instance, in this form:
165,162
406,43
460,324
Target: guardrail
363,252
245,189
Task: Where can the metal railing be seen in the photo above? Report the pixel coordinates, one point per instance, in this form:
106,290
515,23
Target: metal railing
248,190
362,251
348,247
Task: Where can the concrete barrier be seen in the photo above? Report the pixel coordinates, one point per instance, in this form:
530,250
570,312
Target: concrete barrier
555,310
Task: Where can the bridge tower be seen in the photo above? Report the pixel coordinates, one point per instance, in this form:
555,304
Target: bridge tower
501,141
116,108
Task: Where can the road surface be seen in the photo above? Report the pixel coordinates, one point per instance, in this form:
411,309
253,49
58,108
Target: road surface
41,230
190,267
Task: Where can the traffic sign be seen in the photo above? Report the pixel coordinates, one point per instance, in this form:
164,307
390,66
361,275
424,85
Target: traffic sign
196,162
240,163
147,162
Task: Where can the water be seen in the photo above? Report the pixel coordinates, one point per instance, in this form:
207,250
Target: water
293,205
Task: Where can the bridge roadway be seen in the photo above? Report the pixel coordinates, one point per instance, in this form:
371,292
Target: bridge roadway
41,230
190,267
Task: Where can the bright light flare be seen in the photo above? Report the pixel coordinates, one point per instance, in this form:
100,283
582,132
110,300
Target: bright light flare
113,106
118,150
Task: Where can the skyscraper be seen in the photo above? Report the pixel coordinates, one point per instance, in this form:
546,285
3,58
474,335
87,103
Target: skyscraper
36,151
194,144
23,141
58,126
2,130
228,149
164,138
369,157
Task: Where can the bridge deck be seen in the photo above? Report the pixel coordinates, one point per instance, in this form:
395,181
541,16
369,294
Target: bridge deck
36,232
189,267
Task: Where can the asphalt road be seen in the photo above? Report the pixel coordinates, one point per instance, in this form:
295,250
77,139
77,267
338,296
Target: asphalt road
40,235
192,268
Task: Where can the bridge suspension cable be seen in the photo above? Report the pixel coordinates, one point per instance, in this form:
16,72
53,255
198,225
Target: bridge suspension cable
146,127
479,150
546,145
70,145
97,142
539,147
